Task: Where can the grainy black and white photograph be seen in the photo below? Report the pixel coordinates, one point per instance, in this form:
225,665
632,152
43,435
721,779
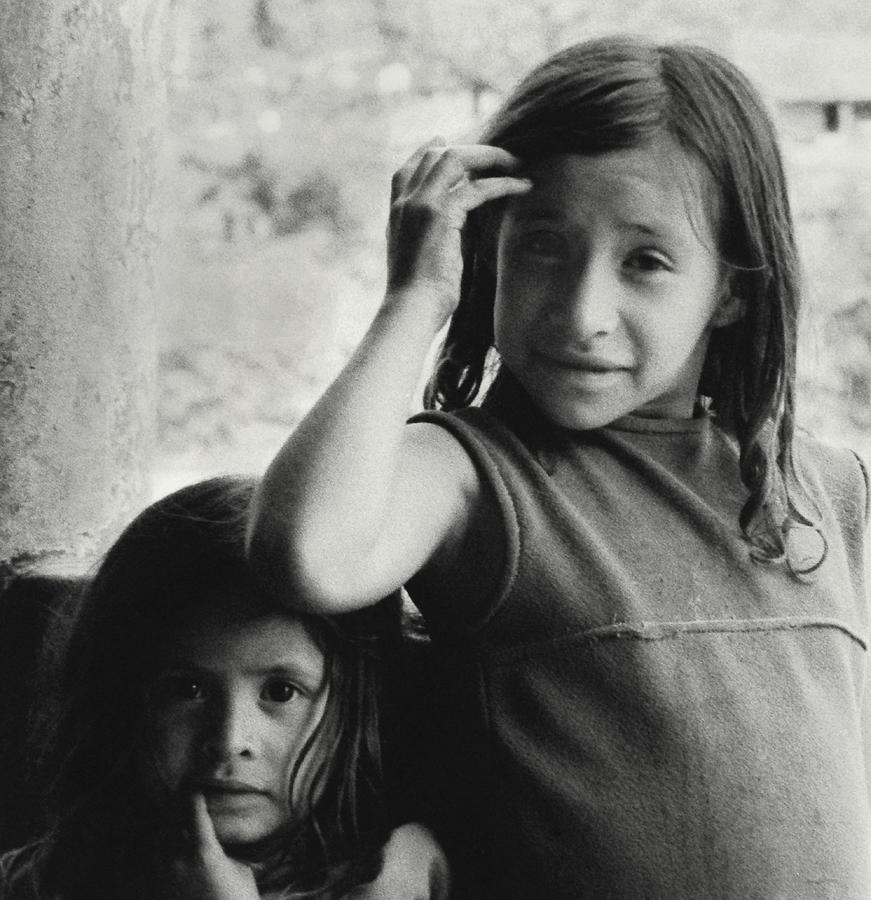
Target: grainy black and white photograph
434,450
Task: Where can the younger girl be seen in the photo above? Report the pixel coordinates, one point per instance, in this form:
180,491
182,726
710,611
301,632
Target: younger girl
646,590
213,746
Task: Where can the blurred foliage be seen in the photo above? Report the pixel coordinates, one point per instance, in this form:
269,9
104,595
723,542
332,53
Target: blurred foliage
252,191
288,119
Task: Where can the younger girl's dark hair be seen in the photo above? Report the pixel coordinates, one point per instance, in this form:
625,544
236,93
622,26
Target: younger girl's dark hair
619,93
159,576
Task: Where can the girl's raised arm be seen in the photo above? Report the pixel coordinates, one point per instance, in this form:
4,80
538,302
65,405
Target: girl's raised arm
357,501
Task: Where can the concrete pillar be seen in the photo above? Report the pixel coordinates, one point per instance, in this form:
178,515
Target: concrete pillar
82,102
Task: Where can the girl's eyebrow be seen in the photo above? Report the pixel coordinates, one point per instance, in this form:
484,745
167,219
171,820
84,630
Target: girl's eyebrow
311,672
174,664
660,230
657,229
644,224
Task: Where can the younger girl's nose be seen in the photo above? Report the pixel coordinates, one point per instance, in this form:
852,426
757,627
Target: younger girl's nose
230,730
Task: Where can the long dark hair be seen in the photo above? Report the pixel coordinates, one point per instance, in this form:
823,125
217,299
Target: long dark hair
106,830
618,93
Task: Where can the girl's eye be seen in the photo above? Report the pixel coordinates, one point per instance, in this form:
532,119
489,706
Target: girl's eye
648,261
542,243
181,688
279,691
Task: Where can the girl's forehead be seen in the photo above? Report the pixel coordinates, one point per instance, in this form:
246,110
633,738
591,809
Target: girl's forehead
226,642
657,184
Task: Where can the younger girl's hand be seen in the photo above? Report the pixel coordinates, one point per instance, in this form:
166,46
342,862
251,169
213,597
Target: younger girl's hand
431,195
206,872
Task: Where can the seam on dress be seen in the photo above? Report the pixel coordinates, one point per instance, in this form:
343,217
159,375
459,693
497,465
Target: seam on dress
654,631
660,631
864,470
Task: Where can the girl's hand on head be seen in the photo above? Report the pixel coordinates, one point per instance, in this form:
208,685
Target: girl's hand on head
431,196
205,872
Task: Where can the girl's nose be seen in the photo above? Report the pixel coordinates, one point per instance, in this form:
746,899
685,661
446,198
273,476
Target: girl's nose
594,302
230,730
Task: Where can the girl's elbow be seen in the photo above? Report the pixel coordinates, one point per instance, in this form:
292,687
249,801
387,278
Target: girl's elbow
301,576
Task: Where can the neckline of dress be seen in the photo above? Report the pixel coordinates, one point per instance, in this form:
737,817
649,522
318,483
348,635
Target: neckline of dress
650,425
510,402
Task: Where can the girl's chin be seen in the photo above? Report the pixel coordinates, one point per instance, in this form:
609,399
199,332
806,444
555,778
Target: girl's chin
232,831
242,817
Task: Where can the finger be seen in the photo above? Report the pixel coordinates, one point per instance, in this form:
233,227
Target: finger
479,158
458,166
403,178
475,193
424,170
205,839
433,152
436,167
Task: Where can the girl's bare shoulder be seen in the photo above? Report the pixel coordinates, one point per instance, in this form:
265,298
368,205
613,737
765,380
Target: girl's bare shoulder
445,478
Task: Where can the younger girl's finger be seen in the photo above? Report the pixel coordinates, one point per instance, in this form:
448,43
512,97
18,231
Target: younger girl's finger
205,839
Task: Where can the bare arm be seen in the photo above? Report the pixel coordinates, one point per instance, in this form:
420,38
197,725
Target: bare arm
357,501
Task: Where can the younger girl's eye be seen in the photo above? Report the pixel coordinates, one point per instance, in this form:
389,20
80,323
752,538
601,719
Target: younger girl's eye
279,691
184,688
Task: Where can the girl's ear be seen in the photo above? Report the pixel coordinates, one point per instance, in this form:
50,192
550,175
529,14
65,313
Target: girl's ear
729,311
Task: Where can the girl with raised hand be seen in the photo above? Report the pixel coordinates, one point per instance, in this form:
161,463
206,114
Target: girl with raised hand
211,745
644,585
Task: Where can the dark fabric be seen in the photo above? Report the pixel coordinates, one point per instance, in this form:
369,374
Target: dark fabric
18,875
414,868
29,606
638,709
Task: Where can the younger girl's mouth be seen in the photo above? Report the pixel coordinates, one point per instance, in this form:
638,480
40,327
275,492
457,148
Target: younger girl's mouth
210,787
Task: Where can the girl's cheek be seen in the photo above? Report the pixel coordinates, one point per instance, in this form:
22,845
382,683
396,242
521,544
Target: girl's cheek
156,786
166,755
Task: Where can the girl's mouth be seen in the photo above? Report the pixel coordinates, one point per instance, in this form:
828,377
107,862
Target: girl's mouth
228,784
214,789
580,364
234,800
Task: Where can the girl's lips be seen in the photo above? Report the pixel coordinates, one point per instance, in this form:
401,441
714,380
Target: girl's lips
222,799
213,786
593,365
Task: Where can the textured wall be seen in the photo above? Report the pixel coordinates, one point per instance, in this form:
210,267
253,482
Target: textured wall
82,96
